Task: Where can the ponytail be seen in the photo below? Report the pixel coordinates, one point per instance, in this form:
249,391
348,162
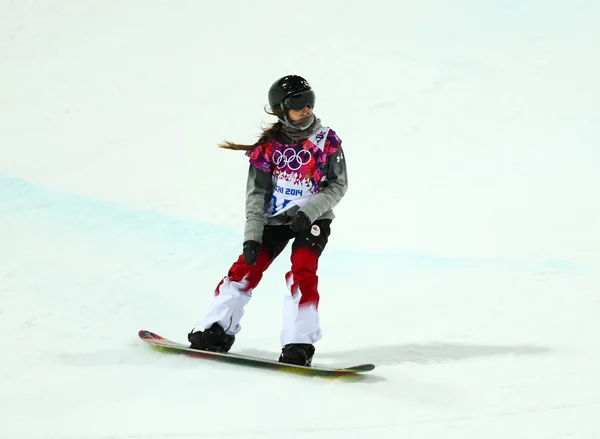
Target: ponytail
268,133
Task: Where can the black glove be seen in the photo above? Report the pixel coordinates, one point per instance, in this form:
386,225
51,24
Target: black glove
300,222
251,249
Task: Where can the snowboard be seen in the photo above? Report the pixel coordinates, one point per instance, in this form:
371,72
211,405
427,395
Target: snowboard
167,345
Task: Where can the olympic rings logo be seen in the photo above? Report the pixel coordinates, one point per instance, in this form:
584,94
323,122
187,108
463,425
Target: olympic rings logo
292,159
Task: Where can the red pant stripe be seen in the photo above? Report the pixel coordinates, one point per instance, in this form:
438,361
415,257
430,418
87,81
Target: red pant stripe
301,277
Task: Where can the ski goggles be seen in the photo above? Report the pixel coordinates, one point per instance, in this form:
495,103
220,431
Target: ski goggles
298,101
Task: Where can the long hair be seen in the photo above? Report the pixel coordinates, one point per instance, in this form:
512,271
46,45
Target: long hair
268,133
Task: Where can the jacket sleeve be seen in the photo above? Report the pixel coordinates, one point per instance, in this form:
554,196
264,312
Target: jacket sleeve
259,190
333,188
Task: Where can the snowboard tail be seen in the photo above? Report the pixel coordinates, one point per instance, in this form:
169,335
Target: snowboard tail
167,345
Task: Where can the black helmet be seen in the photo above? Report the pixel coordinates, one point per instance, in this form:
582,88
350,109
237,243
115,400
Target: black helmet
291,91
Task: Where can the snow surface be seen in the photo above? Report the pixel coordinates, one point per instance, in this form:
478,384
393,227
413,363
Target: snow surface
463,262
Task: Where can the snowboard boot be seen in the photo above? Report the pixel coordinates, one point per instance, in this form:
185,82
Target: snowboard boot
297,353
213,339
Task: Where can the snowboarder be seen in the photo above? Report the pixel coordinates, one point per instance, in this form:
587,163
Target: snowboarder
297,175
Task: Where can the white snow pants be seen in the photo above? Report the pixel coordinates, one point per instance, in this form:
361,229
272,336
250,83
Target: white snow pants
300,307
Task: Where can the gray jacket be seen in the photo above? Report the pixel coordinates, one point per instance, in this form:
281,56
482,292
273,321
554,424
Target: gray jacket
259,192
